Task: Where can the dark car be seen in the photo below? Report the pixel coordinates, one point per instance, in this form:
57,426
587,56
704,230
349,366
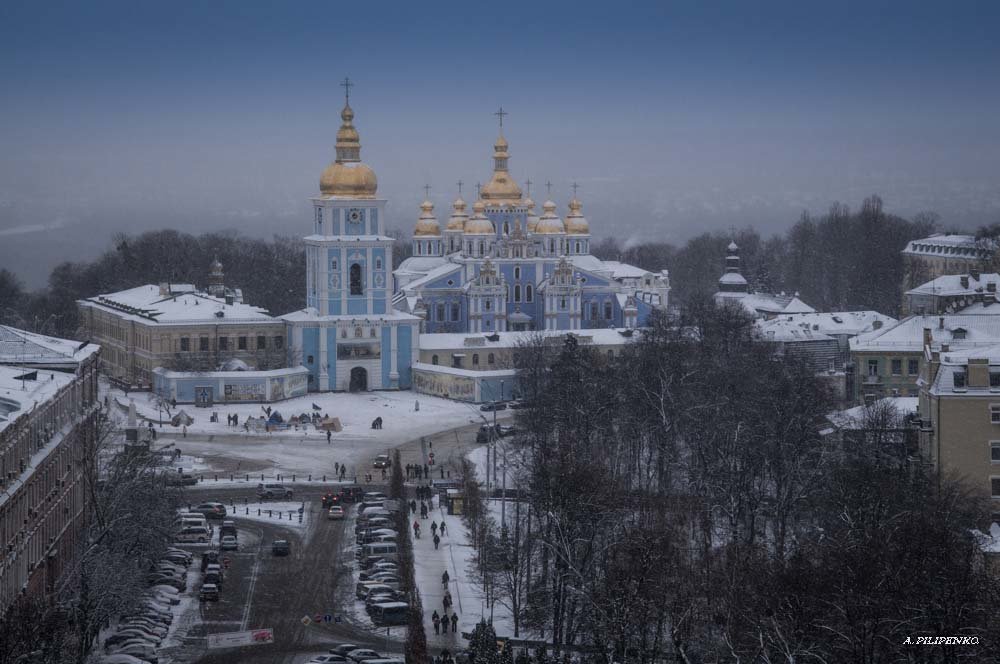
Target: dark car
351,494
518,404
210,510
382,461
265,491
209,592
181,480
228,528
280,548
492,406
330,499
213,578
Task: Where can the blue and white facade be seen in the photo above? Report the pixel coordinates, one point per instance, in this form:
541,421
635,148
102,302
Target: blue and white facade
349,337
507,269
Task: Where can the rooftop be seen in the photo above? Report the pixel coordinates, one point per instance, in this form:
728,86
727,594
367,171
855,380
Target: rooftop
598,337
149,304
849,323
21,347
956,284
957,330
20,395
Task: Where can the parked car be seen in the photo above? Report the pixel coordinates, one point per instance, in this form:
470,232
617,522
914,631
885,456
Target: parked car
211,510
280,548
127,633
143,652
194,535
178,479
146,626
122,658
209,593
491,406
365,588
177,558
518,404
382,461
228,528
265,491
229,543
335,513
351,494
157,579
327,659
343,648
362,654
212,578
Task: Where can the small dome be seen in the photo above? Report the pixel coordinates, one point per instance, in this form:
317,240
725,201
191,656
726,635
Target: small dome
550,222
428,223
531,220
732,246
576,223
456,222
349,179
479,224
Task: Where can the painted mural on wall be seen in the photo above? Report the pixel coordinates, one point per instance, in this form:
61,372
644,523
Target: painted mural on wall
358,351
445,385
244,391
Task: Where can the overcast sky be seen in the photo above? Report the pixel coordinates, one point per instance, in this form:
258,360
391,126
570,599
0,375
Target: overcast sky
673,117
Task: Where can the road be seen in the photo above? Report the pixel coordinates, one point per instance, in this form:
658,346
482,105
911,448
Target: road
261,590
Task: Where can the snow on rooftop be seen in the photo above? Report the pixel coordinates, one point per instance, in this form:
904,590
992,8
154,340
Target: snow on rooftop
20,346
956,330
952,284
21,396
854,418
598,337
838,322
148,304
944,244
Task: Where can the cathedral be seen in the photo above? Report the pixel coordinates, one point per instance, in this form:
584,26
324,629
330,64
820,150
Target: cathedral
507,268
504,268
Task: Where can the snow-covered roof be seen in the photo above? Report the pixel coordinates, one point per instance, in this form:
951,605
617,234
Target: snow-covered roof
766,303
467,373
348,239
597,337
310,314
943,244
952,284
732,278
20,396
780,329
433,274
854,418
850,323
148,305
18,346
907,335
621,270
420,264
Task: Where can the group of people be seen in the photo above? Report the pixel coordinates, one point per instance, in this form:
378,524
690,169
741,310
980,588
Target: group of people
441,621
413,471
340,469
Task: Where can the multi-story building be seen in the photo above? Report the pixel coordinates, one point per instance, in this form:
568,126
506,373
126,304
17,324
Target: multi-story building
888,362
48,425
506,268
960,417
952,293
941,254
178,327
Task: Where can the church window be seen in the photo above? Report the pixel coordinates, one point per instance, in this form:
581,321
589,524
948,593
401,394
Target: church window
562,303
607,310
528,295
343,333
439,310
203,344
577,246
333,264
517,292
434,359
223,343
358,332
506,228
378,263
475,359
455,312
488,304
420,250
185,344
482,248
356,288
279,342
309,360
373,333
490,359
241,343
552,246
593,311
261,342
517,271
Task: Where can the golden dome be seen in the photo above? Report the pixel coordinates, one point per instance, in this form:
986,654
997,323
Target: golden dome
501,188
456,222
428,223
550,222
531,221
576,223
479,224
348,176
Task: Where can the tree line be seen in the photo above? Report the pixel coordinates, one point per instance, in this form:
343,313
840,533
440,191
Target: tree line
685,502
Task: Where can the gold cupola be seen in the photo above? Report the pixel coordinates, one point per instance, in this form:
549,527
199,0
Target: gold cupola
531,221
348,176
549,223
456,222
576,223
501,189
479,224
427,224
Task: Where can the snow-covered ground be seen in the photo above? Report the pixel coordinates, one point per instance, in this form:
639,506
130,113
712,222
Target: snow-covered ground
211,447
284,514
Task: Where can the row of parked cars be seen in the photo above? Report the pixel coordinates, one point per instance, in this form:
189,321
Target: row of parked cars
351,653
379,585
139,634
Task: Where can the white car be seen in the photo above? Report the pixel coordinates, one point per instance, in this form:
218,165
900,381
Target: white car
362,654
146,653
229,543
122,658
335,513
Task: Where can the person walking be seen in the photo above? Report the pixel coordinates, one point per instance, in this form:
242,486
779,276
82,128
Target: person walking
443,528
454,623
413,507
446,601
445,579
427,471
437,540
329,437
434,527
436,619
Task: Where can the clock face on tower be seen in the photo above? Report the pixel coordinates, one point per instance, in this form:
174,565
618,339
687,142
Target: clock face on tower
355,221
354,215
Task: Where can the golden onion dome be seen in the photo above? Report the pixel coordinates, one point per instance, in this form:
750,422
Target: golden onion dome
348,176
576,223
427,224
456,222
501,189
549,223
479,224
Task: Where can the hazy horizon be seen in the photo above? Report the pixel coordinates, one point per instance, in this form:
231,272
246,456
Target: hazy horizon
674,118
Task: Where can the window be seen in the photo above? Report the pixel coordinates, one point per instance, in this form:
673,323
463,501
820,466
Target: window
506,228
481,248
223,343
456,312
607,310
333,264
958,379
185,344
378,263
995,413
994,451
995,487
488,304
309,360
343,333
372,335
203,344
611,354
528,294
279,342
490,359
261,342
873,368
517,292
897,367
577,246
958,333
593,311
517,272
241,343
439,312
356,288
913,367
359,332
475,359
994,379
434,359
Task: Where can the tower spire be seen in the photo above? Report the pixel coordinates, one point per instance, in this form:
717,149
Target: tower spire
347,85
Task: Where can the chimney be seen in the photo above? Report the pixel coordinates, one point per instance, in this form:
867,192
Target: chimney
927,337
991,287
941,323
964,279
979,372
975,273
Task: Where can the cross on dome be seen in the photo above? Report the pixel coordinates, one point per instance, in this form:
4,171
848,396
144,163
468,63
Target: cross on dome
527,184
575,186
460,183
500,115
347,85
548,185
427,191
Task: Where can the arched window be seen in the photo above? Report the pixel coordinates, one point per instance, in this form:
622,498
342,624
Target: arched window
373,333
475,359
333,264
378,263
488,304
577,246
611,354
343,333
434,359
358,332
517,271
356,288
490,359
562,303
607,310
517,292
481,248
593,311
506,228
528,295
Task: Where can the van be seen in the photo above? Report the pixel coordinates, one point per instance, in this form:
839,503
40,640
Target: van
385,550
370,505
389,613
197,534
228,528
195,516
362,588
376,539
